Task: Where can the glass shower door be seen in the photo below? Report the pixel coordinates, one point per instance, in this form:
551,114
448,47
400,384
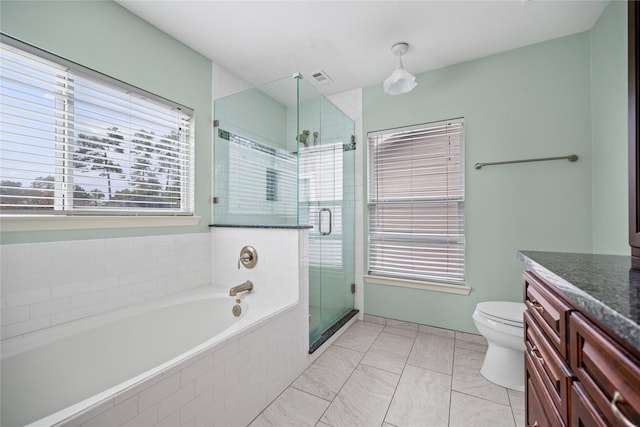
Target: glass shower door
327,176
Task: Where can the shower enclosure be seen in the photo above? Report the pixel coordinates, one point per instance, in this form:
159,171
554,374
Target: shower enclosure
285,155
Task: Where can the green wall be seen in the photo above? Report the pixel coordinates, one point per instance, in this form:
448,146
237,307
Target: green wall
608,39
526,103
106,37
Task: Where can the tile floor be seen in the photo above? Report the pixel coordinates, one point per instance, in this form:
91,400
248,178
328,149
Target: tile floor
387,373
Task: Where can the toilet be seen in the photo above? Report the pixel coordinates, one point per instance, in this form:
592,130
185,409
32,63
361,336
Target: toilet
500,322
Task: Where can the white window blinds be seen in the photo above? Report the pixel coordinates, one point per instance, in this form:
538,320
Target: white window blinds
75,141
416,202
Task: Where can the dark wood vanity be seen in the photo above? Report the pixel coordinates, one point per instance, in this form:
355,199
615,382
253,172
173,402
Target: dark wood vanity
582,322
582,337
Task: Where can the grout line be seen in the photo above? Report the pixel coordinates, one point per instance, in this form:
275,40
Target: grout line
308,392
513,414
508,405
471,395
453,369
348,377
269,405
349,348
384,420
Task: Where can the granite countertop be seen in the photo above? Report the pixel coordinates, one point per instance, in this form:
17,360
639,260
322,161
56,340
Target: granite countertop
603,286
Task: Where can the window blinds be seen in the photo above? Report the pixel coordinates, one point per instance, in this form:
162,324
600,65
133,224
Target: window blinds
76,141
416,202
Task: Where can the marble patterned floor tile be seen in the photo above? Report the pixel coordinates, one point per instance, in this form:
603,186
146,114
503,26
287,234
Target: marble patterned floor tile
516,398
389,352
467,378
421,399
321,424
403,325
292,408
432,330
375,319
473,338
411,333
326,376
468,410
481,348
432,352
359,336
364,399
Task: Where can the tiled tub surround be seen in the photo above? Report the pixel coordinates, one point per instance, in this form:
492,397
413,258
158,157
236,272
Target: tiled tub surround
46,284
383,372
225,384
134,343
228,383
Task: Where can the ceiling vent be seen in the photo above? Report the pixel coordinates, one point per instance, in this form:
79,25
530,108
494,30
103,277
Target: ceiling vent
321,77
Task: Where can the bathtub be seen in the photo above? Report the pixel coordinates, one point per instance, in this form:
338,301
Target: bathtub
55,376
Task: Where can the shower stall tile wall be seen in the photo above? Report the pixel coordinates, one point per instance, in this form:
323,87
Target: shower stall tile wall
45,284
275,274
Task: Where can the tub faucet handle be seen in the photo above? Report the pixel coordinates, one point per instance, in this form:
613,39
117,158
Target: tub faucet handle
244,259
248,257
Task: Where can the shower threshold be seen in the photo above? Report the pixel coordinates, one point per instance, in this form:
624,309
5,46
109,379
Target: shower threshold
332,330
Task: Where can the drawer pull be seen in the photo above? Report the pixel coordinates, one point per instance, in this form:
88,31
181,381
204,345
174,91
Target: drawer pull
537,306
617,398
536,354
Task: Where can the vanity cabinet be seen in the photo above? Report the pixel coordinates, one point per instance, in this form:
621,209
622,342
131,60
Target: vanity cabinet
576,373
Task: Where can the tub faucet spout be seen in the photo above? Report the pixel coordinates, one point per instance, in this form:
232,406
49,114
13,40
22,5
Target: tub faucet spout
243,287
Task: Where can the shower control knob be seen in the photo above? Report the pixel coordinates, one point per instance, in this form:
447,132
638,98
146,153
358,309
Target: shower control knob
248,257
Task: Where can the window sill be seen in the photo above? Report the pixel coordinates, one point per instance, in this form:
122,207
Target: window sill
418,284
53,222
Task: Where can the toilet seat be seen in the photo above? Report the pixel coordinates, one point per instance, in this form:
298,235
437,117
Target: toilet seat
508,313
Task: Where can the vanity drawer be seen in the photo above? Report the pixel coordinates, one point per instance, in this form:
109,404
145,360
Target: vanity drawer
540,411
607,373
549,311
553,370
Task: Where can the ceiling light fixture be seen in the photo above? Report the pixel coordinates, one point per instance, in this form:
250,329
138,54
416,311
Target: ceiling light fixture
400,81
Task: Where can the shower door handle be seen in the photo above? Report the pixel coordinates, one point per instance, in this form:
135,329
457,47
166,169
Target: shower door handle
324,233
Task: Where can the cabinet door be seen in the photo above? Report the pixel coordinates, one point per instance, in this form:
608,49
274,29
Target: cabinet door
609,375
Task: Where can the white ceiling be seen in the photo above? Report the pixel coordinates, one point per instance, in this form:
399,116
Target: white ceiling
262,41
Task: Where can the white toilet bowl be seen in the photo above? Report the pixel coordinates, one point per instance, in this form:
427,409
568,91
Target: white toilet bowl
501,323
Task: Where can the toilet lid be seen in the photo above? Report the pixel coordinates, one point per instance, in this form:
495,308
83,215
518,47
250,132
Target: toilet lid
511,311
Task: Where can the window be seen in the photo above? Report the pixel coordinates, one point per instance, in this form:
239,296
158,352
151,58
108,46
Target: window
75,141
416,203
